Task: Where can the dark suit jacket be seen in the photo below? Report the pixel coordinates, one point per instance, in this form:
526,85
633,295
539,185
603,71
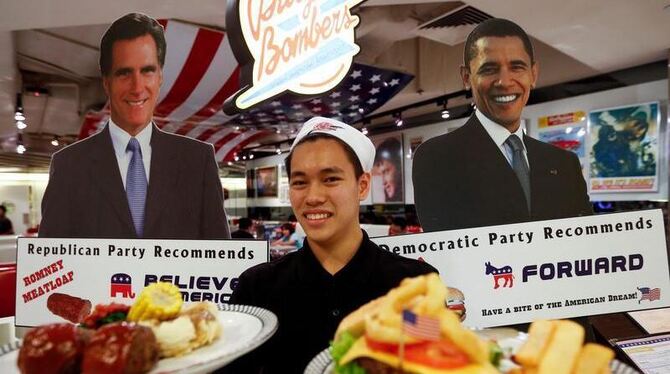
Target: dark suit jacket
85,197
462,180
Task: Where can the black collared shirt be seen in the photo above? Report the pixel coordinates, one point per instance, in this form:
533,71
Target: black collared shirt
310,302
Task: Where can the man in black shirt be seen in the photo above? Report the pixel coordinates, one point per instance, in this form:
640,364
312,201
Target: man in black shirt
338,269
244,229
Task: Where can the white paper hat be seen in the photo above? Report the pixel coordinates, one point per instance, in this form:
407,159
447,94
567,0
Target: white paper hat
359,143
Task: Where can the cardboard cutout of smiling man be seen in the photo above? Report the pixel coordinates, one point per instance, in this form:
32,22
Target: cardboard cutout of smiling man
488,172
132,180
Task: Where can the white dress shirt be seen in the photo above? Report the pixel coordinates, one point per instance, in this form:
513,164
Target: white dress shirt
120,139
499,134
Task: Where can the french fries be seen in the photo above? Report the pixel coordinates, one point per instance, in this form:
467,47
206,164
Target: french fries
539,334
556,347
561,353
593,358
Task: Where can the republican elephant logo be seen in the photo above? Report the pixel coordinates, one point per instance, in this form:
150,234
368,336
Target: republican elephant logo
123,284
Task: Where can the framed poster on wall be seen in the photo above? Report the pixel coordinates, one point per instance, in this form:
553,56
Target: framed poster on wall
624,148
267,184
566,131
387,171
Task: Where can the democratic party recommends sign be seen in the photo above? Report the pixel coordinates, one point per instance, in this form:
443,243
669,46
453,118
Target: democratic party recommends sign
56,276
549,269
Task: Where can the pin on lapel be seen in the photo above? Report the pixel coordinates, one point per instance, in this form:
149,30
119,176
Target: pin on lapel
553,171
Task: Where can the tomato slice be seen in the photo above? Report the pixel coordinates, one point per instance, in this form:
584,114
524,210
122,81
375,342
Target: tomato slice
441,354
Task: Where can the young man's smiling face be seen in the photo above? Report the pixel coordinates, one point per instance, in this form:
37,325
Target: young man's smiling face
133,83
501,76
324,191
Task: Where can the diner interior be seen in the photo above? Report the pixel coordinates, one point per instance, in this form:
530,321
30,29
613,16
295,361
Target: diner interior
593,55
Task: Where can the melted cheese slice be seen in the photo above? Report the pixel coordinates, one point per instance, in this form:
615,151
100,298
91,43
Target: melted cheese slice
361,349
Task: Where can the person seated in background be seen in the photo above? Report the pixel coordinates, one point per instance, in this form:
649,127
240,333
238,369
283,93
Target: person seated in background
338,269
245,229
288,238
6,227
398,226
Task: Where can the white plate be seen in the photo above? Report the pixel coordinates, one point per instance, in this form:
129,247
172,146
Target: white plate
244,329
508,339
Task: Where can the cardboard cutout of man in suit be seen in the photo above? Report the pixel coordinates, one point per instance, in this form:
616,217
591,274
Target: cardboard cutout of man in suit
168,187
467,178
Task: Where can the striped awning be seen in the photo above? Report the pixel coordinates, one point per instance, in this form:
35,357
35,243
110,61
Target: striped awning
201,71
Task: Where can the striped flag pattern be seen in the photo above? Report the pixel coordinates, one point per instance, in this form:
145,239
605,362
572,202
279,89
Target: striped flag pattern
420,327
201,72
650,294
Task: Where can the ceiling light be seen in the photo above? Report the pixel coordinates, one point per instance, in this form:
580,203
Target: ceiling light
55,141
20,149
278,130
445,112
251,156
230,163
18,116
21,125
237,128
236,157
398,119
278,150
364,130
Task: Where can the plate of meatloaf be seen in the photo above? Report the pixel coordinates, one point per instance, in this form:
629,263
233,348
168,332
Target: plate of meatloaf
129,346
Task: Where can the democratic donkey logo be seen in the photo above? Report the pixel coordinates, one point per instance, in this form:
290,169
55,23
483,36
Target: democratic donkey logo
122,283
504,273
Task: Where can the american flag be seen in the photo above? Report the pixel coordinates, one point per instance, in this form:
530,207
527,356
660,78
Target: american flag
650,294
201,72
420,327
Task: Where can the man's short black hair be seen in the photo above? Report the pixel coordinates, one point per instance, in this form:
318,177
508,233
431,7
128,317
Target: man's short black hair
498,27
351,155
400,222
390,150
244,223
128,27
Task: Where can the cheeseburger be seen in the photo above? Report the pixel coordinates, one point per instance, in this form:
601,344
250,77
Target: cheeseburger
373,339
456,302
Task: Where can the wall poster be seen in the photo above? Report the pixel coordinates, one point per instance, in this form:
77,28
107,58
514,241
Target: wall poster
267,184
387,172
566,131
624,148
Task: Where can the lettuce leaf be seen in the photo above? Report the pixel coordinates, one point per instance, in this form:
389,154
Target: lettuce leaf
338,349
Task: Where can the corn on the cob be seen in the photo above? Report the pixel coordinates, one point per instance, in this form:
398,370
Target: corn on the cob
161,301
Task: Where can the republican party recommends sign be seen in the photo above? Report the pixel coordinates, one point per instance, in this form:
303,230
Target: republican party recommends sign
100,271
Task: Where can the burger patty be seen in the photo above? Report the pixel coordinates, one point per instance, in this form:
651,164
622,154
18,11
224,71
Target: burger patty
373,366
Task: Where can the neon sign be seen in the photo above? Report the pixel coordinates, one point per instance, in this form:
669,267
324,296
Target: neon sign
302,46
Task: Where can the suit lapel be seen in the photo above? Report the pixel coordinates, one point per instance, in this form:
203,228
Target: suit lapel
105,174
163,179
495,168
